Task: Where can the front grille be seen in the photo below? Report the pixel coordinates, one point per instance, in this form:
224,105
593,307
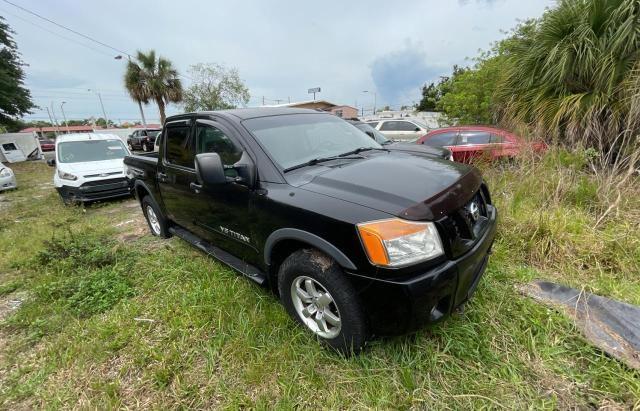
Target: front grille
103,182
465,225
103,174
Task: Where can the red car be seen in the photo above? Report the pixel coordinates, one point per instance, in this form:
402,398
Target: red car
47,145
469,142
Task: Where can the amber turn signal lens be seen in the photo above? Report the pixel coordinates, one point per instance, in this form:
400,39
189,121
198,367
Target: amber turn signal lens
395,242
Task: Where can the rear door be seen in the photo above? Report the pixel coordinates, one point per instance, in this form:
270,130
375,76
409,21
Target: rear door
472,144
177,171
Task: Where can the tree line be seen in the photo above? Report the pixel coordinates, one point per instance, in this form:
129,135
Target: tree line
572,75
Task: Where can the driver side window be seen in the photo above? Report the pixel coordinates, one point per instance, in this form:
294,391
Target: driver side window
210,139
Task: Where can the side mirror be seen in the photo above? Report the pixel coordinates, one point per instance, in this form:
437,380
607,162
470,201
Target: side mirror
51,162
209,169
246,170
417,129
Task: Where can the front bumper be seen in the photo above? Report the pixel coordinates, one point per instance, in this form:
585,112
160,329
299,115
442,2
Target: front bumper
397,306
97,190
8,183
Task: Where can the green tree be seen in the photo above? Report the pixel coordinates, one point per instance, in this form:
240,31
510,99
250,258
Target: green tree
15,99
153,78
575,73
467,96
430,98
215,87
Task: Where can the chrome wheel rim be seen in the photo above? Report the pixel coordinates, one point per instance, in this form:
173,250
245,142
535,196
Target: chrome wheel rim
153,220
316,307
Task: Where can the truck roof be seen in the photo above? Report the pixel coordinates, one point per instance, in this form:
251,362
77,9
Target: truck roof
85,137
247,113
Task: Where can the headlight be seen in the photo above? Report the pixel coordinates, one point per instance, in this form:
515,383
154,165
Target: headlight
5,172
66,176
397,243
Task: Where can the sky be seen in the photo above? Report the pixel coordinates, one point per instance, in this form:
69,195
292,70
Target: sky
281,48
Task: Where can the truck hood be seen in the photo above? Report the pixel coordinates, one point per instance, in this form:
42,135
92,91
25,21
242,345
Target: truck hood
413,187
92,167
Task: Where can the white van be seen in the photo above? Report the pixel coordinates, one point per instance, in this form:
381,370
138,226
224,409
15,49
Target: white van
90,167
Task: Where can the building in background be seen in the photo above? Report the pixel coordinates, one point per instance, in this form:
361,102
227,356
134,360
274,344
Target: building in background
323,105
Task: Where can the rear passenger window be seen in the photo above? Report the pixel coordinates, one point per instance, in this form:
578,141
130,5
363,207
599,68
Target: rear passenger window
398,126
442,139
178,150
474,137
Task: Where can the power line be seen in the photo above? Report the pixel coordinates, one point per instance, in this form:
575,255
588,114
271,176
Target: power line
54,33
79,34
66,28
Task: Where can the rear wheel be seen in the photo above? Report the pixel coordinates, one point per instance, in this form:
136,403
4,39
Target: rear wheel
317,295
157,223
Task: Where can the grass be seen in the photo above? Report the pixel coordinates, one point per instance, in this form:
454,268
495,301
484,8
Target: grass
112,317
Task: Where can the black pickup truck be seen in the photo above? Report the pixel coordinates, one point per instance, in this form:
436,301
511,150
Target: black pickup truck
357,240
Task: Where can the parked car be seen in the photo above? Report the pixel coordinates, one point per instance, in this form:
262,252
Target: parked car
7,178
469,142
400,129
357,240
143,139
47,145
90,167
440,152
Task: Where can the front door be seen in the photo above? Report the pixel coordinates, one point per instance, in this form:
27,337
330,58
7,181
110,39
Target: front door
12,152
223,215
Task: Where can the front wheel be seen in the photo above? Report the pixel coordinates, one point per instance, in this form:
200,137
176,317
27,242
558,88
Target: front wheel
145,147
157,223
316,293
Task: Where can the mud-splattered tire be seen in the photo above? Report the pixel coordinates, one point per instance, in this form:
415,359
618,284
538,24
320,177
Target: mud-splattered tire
316,293
158,225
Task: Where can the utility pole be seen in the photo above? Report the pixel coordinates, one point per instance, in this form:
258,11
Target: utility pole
55,120
64,116
104,113
51,120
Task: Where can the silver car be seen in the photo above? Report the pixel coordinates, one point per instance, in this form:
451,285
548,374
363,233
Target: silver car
7,178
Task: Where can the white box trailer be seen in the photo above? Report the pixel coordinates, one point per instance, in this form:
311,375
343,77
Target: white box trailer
16,147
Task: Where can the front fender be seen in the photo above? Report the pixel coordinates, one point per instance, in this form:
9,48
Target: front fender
311,239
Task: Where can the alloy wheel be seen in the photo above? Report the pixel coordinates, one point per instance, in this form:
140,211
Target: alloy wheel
315,307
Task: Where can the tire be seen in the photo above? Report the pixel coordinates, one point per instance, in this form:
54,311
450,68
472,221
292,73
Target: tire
145,147
68,201
130,146
334,296
158,225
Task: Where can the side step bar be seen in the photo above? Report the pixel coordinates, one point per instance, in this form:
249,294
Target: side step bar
253,273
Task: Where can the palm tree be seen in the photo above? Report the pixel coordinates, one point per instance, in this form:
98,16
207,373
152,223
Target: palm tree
151,78
573,71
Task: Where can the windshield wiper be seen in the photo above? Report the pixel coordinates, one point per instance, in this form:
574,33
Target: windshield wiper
321,160
349,155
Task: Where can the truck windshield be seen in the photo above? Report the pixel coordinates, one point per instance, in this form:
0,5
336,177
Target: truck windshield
295,139
90,150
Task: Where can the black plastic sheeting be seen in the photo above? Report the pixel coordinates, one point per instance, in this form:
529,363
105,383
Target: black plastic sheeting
610,325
